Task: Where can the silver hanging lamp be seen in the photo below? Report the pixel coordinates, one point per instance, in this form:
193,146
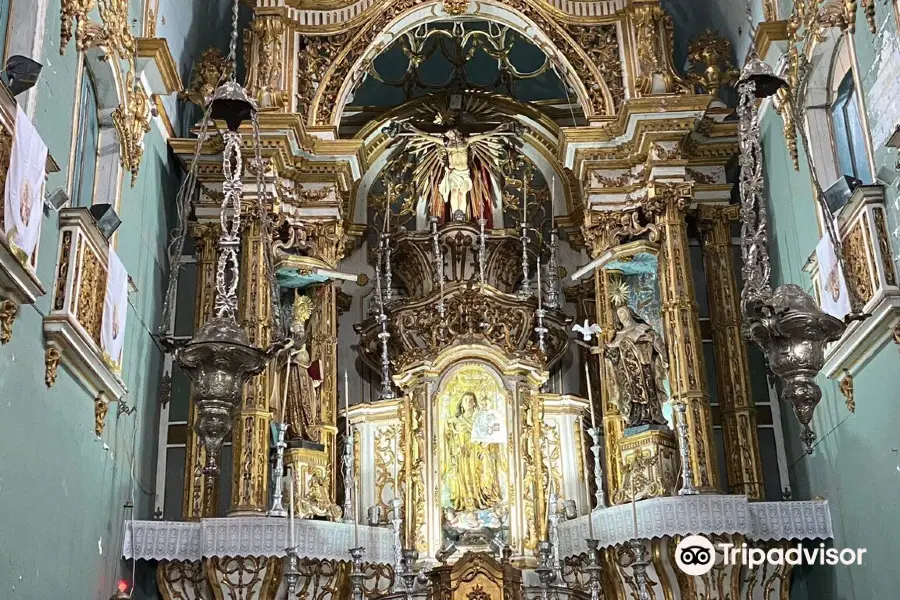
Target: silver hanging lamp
219,359
786,323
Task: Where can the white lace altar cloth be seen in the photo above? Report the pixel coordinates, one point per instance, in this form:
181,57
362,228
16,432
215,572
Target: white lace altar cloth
253,536
704,514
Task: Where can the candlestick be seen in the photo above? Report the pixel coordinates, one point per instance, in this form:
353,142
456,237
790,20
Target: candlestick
539,290
598,469
587,378
587,492
287,385
347,401
634,503
277,509
396,467
293,534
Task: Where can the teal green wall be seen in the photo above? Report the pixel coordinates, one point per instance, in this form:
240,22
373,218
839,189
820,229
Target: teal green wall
61,488
856,463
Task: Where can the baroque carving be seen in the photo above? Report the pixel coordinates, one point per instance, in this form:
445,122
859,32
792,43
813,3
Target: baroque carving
91,291
8,312
112,34
101,407
263,51
330,59
603,230
711,64
132,122
884,247
857,264
51,365
654,35
846,387
209,69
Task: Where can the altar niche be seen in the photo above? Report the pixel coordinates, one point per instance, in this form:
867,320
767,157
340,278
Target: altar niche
474,410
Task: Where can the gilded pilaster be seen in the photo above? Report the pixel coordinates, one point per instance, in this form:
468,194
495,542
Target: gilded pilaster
324,349
613,422
681,321
265,52
732,367
250,426
197,502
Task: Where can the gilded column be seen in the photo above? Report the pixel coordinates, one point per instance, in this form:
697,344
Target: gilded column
195,504
732,367
681,321
250,425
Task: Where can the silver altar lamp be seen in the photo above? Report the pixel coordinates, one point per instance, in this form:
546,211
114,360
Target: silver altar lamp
219,360
786,323
793,333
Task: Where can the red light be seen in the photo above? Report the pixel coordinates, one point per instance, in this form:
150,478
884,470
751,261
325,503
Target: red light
123,585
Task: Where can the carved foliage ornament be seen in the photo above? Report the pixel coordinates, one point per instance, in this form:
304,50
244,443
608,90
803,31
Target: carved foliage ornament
112,34
711,64
327,61
132,122
209,69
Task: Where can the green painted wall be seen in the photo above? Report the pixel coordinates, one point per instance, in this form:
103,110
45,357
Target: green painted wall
62,489
856,461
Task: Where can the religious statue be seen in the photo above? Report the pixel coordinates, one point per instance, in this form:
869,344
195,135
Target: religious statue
457,171
473,438
303,378
636,369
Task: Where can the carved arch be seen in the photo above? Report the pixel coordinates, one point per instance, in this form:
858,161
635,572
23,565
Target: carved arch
597,96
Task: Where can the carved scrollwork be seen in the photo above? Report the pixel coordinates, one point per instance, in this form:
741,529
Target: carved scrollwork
605,229
132,122
654,35
472,316
112,34
263,53
209,69
8,312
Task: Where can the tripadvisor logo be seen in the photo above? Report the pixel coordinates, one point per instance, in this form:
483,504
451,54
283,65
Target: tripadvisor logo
696,555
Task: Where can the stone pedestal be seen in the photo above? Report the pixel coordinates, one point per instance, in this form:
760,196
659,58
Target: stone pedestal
649,459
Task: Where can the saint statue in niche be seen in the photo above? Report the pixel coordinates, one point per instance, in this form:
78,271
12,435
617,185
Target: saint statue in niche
637,369
303,377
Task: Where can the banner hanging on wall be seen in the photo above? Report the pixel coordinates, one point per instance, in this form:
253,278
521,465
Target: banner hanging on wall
115,310
23,199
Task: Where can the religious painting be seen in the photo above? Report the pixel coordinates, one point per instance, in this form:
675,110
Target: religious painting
474,477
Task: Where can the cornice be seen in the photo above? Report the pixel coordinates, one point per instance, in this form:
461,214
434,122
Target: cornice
157,50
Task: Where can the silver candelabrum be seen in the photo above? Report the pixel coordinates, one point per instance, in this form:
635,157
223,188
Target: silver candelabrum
594,569
594,432
347,464
292,573
687,473
409,575
525,289
397,523
553,519
277,509
551,298
357,576
540,330
438,263
635,556
482,249
387,388
385,253
545,571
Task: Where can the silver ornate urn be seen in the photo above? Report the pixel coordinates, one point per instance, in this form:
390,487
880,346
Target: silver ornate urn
793,332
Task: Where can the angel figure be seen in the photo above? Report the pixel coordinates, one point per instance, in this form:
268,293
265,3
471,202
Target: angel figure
457,171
